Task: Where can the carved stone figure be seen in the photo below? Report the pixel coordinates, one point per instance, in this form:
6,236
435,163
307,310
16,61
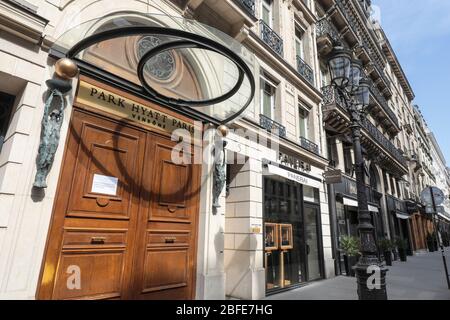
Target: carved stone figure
219,173
51,127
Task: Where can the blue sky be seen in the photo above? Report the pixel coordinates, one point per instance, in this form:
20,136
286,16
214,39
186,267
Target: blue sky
419,31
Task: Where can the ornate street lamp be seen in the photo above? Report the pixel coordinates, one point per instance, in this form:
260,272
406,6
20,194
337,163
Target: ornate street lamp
353,89
340,63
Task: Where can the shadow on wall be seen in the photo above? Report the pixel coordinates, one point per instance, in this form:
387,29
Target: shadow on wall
238,269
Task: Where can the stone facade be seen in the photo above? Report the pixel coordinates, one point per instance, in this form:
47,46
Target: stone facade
290,40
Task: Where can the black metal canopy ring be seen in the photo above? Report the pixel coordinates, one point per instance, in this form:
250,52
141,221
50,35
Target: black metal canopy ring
184,44
185,40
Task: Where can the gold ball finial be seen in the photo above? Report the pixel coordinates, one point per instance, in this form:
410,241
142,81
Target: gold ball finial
223,129
66,68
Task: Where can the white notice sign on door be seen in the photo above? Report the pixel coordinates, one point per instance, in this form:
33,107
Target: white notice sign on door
105,185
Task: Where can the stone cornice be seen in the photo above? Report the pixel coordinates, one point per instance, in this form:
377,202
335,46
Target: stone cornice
21,22
396,66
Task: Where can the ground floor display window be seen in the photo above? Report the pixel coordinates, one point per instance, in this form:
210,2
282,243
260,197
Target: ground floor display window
292,237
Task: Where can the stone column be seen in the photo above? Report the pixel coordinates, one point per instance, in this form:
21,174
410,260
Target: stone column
210,254
244,254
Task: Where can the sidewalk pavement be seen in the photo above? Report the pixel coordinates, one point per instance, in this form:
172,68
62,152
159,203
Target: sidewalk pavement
421,278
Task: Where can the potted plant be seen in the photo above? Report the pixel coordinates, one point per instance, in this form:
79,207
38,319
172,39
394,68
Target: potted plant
430,242
402,246
350,246
386,247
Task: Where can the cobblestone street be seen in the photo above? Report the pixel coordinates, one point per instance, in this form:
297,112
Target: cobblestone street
421,278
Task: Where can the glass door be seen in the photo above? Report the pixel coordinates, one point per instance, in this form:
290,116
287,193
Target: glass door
284,257
312,235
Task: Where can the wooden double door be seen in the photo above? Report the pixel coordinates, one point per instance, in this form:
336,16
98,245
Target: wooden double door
124,224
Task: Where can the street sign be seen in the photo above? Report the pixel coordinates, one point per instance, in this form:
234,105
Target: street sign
427,196
333,176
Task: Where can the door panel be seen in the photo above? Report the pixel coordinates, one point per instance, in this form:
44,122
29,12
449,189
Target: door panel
92,233
105,151
94,265
125,216
165,258
312,242
171,182
165,268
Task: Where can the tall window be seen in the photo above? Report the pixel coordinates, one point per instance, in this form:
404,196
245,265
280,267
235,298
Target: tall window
268,90
6,103
303,115
267,12
299,51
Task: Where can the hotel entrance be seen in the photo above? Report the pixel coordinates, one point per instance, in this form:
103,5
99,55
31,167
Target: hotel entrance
293,249
125,217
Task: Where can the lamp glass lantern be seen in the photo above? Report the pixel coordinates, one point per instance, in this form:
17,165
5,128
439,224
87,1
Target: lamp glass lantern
356,72
340,65
362,94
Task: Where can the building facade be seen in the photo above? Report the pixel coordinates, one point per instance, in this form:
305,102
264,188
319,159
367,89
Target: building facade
117,204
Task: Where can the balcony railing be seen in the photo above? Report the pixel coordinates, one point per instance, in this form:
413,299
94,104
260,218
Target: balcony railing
372,195
309,145
305,70
380,138
248,5
330,96
348,187
394,203
271,38
383,103
272,126
325,28
354,25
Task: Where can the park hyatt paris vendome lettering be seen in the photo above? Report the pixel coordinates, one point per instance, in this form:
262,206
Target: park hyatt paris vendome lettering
102,99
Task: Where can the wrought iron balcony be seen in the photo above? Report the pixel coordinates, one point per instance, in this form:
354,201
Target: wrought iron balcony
309,145
350,19
348,187
356,29
380,138
325,28
305,70
271,38
272,126
396,204
384,104
248,5
331,97
373,196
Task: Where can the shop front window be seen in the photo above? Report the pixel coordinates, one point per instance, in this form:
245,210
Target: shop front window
291,233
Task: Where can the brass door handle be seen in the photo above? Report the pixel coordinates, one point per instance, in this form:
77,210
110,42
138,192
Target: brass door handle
170,239
98,240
